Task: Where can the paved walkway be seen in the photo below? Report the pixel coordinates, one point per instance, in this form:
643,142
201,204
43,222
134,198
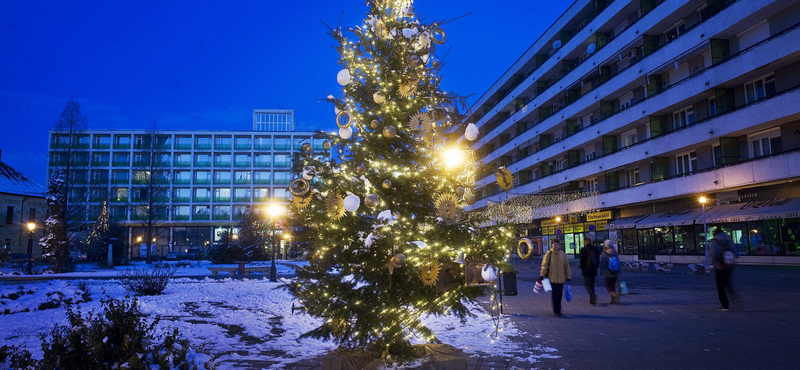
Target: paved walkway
668,321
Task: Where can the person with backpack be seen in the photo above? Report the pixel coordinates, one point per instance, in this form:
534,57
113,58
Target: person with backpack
590,259
610,269
723,257
555,267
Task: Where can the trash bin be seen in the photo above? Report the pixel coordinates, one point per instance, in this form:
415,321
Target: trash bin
510,283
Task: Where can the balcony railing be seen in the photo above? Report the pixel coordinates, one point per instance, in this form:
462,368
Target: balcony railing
202,199
241,181
180,199
223,217
261,181
180,217
201,181
222,164
283,164
182,164
222,146
241,199
200,217
119,199
202,163
262,146
182,181
202,146
262,164
282,146
183,146
101,146
122,145
242,164
243,146
222,199
120,181
222,181
121,163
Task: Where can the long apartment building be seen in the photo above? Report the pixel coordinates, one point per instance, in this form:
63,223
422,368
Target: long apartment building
654,104
208,179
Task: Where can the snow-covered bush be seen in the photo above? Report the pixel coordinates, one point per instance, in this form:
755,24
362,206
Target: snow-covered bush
144,281
118,338
53,295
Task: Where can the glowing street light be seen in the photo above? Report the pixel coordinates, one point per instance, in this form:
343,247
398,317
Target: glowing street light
31,226
703,200
453,157
273,212
29,267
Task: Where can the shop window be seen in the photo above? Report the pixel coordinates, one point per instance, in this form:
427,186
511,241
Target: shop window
738,233
684,240
790,230
665,240
763,237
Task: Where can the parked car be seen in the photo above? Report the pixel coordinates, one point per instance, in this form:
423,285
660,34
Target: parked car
18,260
194,254
172,256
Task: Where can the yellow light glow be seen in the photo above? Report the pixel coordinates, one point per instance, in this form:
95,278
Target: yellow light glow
31,226
138,239
287,236
558,219
275,210
453,157
703,200
235,236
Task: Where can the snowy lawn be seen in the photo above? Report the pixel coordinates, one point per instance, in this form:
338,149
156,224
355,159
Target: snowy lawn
184,269
245,323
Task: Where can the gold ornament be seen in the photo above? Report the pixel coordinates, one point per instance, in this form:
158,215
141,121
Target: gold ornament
407,90
460,191
375,124
505,210
437,36
389,132
421,122
447,206
334,205
470,199
372,200
391,265
429,273
301,202
299,187
306,146
326,144
381,30
339,118
361,169
527,242
504,179
386,184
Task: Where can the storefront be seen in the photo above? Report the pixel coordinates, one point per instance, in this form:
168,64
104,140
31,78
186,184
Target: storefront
573,231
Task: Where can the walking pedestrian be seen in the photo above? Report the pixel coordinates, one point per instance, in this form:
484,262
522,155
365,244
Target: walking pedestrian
609,268
723,257
555,267
590,259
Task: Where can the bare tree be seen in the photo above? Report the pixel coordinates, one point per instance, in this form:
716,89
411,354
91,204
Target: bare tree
71,165
151,187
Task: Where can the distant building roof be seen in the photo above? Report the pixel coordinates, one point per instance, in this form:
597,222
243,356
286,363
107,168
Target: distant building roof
13,182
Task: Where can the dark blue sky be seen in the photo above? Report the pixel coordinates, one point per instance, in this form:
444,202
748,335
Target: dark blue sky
206,65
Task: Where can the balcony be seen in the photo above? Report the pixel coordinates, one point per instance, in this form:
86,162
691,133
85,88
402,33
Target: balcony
202,146
243,146
222,199
222,164
101,146
180,217
261,199
222,146
163,146
200,217
202,199
121,164
99,181
122,145
241,199
283,164
183,146
141,163
119,199
262,147
201,181
182,181
262,164
222,181
57,163
120,181
282,146
261,181
242,181
242,164
222,217
202,164
180,200
182,164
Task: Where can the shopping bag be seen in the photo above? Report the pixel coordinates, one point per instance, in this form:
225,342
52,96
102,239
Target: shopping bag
546,285
537,288
623,288
568,295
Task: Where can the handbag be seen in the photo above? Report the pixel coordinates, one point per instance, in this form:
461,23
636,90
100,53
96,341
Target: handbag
568,294
546,285
537,288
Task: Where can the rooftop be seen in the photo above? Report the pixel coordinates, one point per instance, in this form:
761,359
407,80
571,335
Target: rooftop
14,182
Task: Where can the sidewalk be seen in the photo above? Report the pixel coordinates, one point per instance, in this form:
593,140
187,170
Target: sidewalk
668,321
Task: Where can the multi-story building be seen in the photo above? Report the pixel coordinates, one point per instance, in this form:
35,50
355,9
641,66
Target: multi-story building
204,180
22,203
654,104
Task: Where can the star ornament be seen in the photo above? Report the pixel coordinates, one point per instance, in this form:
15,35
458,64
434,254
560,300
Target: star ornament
447,206
391,266
429,273
407,90
334,206
421,122
301,202
504,179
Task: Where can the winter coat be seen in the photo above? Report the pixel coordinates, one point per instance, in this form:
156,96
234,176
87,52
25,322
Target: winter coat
719,244
588,266
555,267
604,264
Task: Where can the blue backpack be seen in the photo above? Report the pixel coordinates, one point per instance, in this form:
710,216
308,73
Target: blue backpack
613,264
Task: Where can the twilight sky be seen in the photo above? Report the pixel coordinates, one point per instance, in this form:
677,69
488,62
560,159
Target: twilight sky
206,64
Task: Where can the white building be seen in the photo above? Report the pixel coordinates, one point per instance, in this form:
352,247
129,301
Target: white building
653,104
210,178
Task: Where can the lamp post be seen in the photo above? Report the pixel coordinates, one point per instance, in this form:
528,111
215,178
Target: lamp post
273,212
29,267
703,201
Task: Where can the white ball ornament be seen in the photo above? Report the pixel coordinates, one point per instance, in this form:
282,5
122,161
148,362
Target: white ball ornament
471,132
308,173
489,273
343,77
351,203
378,98
346,132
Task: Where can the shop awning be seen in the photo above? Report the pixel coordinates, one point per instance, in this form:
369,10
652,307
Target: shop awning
674,218
753,211
624,223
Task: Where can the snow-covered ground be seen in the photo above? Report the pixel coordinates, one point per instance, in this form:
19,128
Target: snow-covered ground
195,268
246,323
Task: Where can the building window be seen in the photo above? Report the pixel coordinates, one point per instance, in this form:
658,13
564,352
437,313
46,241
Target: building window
712,107
32,215
589,153
632,177
685,163
9,215
683,117
765,143
629,138
591,184
717,155
222,194
759,89
675,31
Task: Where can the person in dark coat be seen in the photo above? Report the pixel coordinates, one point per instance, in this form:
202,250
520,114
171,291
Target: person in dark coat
609,252
590,259
723,270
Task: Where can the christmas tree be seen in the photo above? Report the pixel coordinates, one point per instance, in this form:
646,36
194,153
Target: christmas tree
387,213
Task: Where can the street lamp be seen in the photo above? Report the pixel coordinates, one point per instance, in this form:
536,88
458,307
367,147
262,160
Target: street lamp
453,157
703,201
273,212
31,227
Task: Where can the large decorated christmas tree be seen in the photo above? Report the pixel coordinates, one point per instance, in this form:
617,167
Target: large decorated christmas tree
388,237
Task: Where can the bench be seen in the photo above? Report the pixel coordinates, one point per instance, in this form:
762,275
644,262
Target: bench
248,270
